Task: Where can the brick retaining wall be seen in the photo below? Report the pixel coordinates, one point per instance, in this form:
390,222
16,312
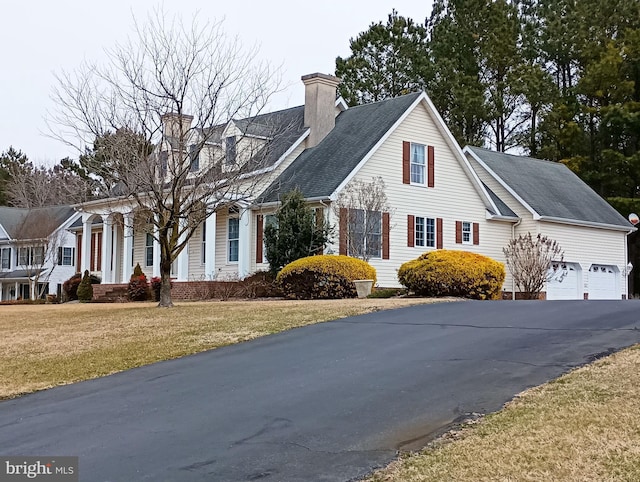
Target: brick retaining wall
196,290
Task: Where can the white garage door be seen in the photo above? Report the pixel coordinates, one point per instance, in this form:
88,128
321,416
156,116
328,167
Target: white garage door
565,282
602,282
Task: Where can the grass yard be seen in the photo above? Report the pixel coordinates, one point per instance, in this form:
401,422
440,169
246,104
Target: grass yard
584,426
42,346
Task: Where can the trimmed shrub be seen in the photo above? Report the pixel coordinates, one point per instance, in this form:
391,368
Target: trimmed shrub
261,284
85,290
453,273
70,287
324,276
138,287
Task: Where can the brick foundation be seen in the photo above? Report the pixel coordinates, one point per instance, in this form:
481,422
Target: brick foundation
194,290
507,295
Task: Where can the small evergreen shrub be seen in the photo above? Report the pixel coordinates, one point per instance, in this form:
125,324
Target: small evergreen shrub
324,276
453,273
138,288
85,289
70,287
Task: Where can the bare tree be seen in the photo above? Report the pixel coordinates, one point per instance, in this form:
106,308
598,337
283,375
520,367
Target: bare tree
529,261
32,186
38,238
363,203
173,86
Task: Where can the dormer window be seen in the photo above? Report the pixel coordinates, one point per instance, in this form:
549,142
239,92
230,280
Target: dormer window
164,161
230,150
194,158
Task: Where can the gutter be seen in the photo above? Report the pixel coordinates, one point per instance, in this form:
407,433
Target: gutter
589,224
513,280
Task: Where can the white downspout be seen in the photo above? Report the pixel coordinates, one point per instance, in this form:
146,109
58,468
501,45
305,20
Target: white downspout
513,280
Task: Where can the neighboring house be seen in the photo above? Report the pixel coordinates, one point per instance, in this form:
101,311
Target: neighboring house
440,197
37,252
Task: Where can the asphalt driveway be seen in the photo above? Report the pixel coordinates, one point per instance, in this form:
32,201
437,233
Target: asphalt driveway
325,402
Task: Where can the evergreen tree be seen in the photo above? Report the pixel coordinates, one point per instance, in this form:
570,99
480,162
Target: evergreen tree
386,61
296,233
85,290
10,160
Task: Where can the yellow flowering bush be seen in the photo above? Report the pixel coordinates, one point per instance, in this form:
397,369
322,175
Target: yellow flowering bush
324,276
453,273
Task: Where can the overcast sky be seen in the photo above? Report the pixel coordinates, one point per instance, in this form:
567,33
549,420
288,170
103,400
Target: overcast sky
42,37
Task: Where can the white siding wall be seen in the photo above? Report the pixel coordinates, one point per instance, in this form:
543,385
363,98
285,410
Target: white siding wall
224,268
587,246
196,268
61,273
453,198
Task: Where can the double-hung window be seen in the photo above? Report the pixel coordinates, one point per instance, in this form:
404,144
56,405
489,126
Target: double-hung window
418,167
5,258
466,232
148,250
194,158
233,240
65,256
425,232
31,256
365,232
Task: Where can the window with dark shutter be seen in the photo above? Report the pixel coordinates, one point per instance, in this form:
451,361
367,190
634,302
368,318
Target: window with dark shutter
439,233
458,232
476,233
344,226
385,235
259,238
430,167
406,162
410,230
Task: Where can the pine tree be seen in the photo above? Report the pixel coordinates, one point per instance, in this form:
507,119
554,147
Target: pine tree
296,233
386,61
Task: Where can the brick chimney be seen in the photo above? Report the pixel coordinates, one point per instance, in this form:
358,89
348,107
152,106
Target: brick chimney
319,105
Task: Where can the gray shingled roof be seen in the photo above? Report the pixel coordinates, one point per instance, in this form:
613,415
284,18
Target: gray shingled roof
500,204
19,274
551,188
13,219
283,127
318,171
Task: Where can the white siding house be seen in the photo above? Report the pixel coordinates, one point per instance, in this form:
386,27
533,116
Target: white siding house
439,197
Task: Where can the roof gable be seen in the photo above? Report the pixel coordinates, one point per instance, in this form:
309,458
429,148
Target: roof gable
548,189
13,219
318,171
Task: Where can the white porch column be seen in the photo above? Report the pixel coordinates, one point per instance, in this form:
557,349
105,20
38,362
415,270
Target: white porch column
107,249
156,253
85,262
183,257
1,292
17,293
244,243
116,263
127,255
210,256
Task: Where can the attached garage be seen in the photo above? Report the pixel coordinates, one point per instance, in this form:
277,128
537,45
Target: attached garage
565,282
603,282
